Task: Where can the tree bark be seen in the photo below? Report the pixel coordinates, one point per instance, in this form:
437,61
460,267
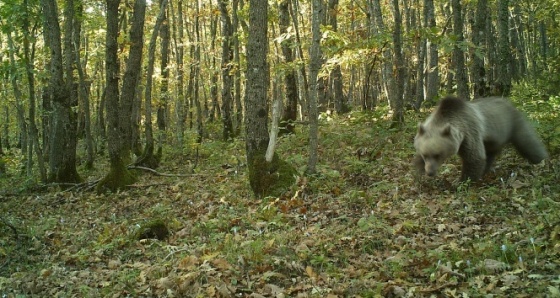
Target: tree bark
396,96
237,73
118,176
314,66
179,28
290,113
227,80
458,54
62,157
340,101
162,104
503,82
33,134
265,178
148,158
479,40
432,57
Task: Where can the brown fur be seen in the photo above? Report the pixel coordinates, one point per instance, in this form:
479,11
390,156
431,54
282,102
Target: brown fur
477,131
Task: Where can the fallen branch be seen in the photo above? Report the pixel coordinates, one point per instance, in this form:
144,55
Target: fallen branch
158,173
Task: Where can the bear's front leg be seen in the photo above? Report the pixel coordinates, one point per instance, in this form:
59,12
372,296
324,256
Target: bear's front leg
473,168
419,164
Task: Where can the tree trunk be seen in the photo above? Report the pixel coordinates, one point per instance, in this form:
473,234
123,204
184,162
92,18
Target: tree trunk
237,73
340,104
265,178
299,53
196,76
287,125
63,139
479,40
458,54
179,50
503,82
396,96
432,57
84,87
227,80
20,113
118,176
33,135
215,111
148,158
314,66
164,89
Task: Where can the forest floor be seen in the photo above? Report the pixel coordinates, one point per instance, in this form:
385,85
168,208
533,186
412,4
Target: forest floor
364,226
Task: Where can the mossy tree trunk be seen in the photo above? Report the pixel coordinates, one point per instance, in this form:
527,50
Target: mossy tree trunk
119,176
265,178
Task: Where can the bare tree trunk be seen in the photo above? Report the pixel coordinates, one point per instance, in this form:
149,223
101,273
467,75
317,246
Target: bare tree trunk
503,82
340,104
237,74
148,158
458,54
33,135
432,71
396,96
20,113
388,77
421,68
479,40
164,89
314,66
215,111
302,72
227,80
179,50
290,112
84,88
196,76
62,157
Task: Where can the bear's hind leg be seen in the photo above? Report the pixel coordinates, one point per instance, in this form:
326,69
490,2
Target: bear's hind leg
527,142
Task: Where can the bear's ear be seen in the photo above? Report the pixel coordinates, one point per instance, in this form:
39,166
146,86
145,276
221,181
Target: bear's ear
446,131
421,129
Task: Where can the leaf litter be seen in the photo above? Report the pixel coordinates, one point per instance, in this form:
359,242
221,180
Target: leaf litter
364,226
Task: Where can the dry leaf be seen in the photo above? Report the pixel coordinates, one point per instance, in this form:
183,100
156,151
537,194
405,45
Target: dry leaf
310,272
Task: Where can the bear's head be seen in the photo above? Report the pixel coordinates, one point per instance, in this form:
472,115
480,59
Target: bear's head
435,144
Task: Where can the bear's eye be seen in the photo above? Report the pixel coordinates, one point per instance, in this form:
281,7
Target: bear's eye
436,156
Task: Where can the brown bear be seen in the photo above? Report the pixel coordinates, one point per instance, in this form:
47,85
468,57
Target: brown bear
477,131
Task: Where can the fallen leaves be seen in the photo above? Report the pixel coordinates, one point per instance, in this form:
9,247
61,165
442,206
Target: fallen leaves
362,228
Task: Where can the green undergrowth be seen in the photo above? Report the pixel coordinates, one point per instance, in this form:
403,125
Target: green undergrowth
363,226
